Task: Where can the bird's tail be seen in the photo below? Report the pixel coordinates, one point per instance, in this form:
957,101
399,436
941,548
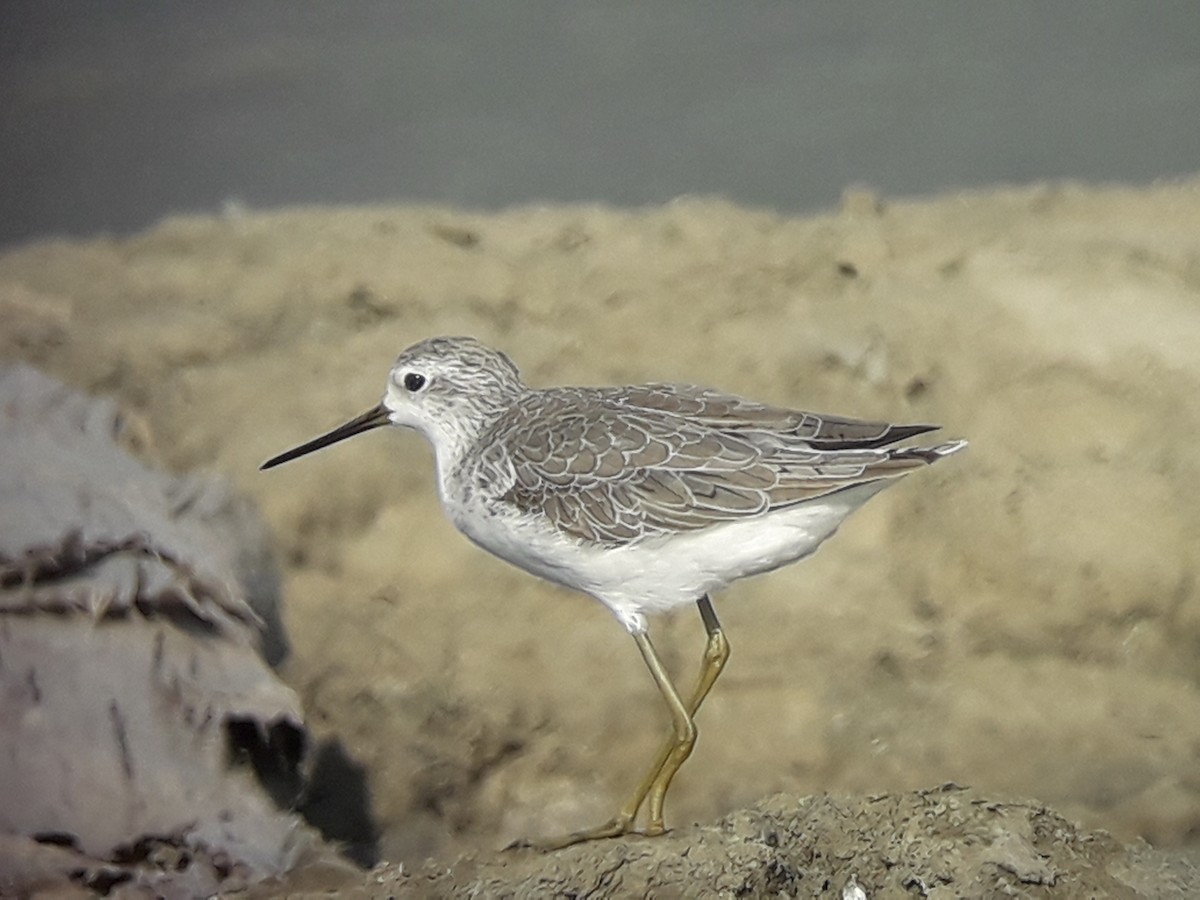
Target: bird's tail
928,454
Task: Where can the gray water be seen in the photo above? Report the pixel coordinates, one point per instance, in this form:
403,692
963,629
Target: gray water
114,114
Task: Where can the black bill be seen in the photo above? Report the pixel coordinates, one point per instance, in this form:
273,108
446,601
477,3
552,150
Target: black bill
372,418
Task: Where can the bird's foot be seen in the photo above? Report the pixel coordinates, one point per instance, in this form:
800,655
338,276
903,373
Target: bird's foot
617,826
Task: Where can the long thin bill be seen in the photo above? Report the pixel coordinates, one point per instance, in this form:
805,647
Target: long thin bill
372,418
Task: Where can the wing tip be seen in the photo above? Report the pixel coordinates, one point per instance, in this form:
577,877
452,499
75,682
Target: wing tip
877,434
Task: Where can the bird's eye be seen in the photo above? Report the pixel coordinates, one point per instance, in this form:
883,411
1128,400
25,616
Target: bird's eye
414,381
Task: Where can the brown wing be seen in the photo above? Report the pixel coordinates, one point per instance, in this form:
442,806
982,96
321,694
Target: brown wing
619,465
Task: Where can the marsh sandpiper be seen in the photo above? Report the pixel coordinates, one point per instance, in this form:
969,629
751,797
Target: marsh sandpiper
645,497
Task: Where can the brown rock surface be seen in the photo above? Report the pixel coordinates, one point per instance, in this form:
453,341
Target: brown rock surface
942,843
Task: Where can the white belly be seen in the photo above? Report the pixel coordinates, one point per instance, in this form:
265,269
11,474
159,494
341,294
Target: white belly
658,574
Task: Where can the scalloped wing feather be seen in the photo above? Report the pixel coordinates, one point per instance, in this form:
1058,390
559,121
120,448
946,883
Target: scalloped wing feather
624,464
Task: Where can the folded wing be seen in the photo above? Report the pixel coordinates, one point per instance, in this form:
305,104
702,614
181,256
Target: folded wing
626,464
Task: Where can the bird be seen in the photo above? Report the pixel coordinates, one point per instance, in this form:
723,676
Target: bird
646,497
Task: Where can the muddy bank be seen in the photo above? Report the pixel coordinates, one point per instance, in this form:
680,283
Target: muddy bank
1023,619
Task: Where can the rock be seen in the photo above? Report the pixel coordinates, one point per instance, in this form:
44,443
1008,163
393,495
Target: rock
145,738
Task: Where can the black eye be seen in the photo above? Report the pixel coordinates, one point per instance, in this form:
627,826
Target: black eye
414,381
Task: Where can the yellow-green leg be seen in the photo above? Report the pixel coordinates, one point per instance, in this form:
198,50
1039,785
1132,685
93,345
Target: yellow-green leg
670,758
678,746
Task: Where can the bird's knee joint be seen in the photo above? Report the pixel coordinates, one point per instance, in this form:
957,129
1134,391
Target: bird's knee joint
717,651
685,734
